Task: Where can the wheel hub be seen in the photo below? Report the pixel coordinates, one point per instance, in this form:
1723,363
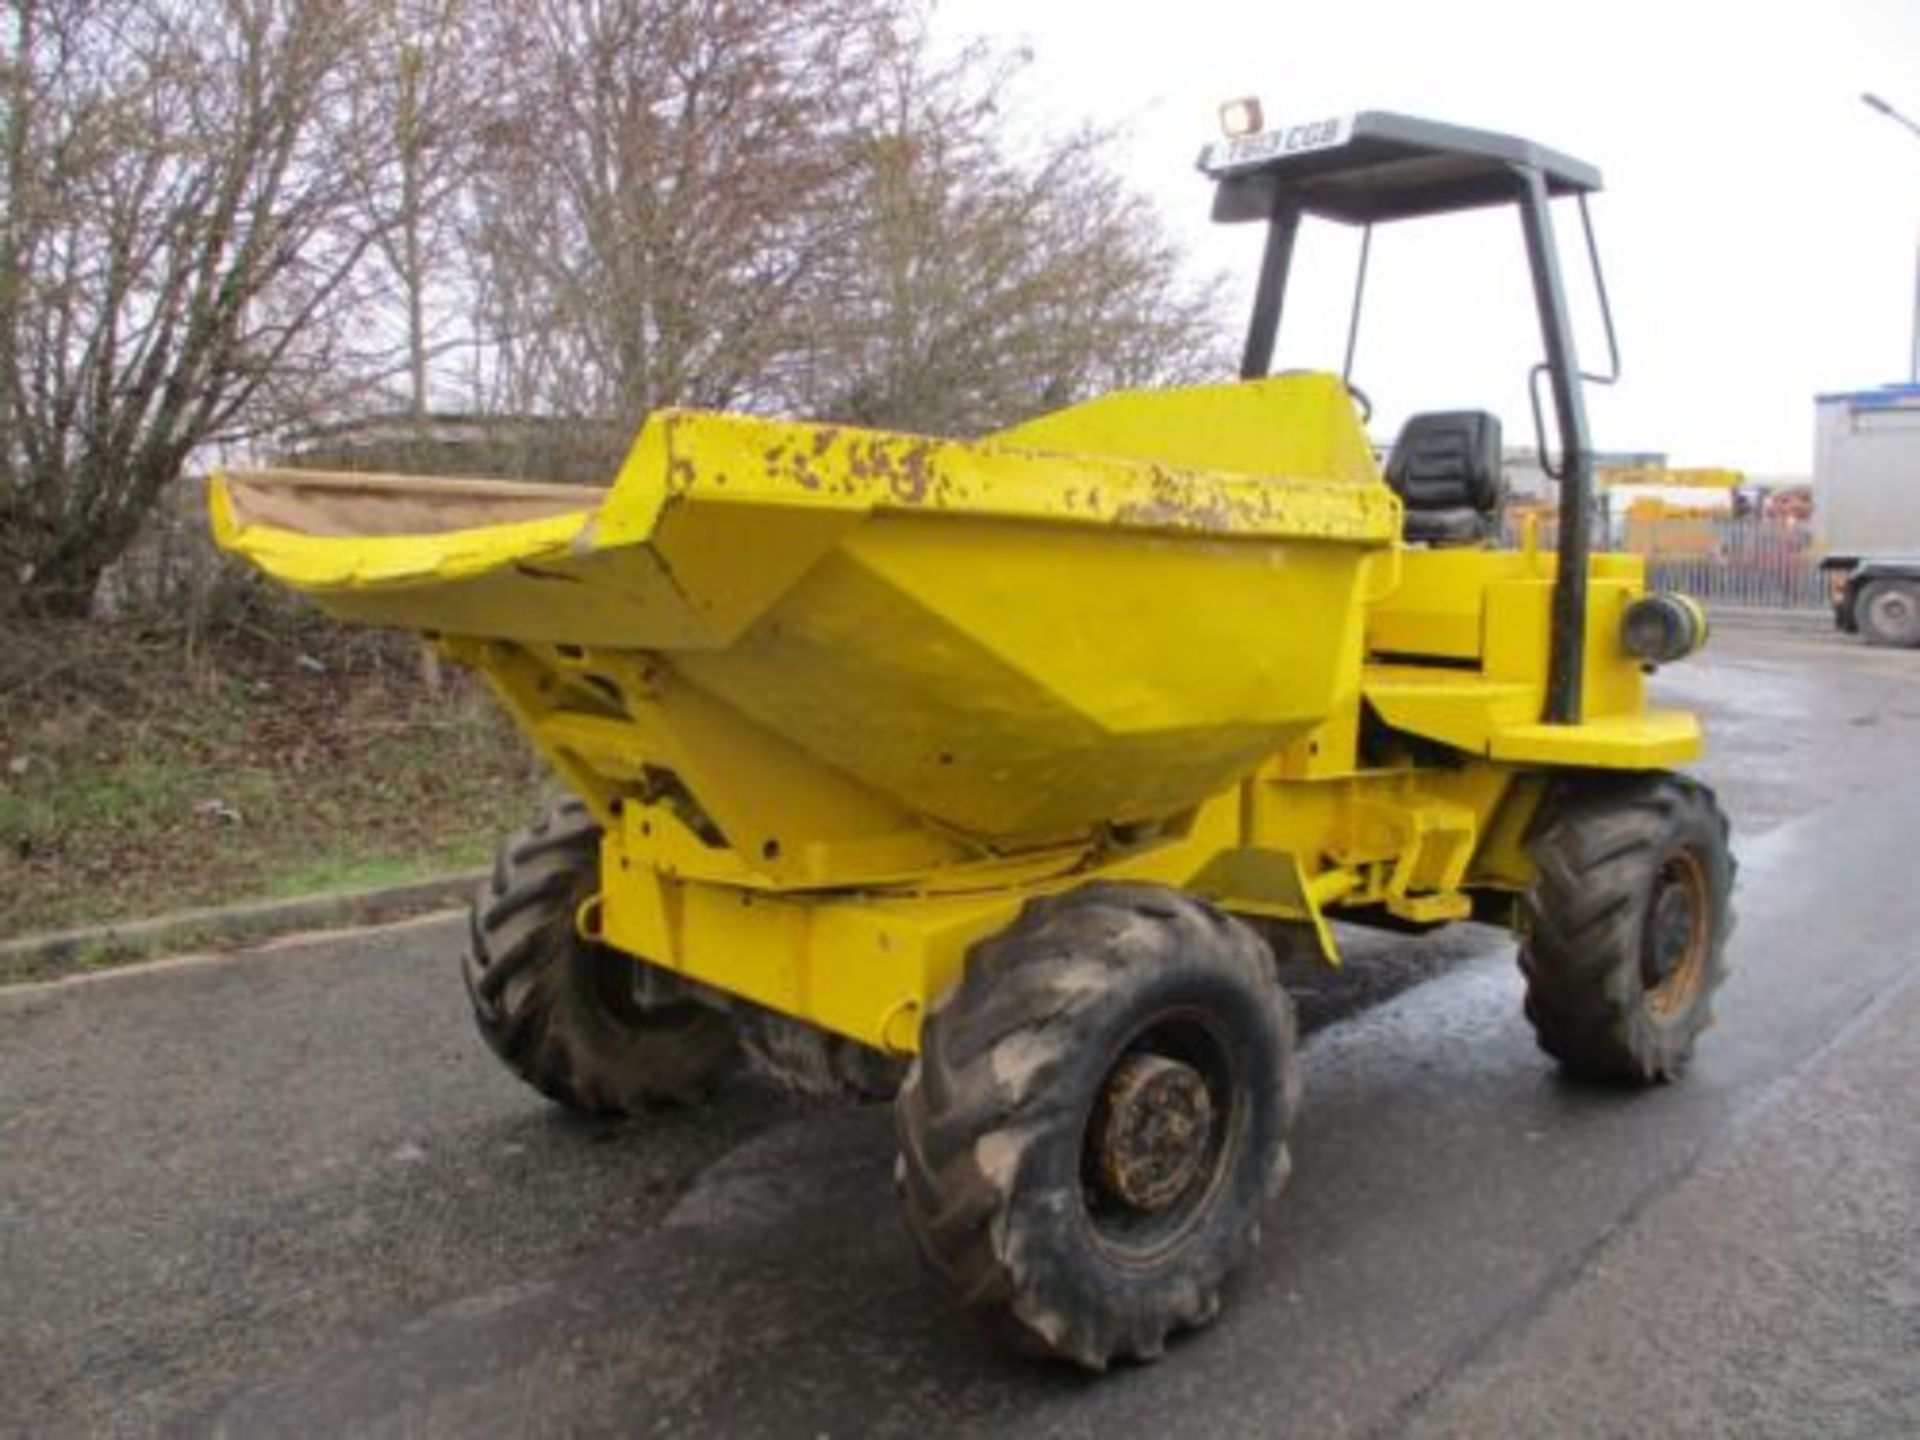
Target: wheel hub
1152,1132
1675,938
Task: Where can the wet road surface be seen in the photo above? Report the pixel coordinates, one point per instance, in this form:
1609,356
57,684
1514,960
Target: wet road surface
289,1193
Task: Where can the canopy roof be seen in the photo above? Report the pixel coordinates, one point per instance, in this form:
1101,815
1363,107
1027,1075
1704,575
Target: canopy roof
1378,166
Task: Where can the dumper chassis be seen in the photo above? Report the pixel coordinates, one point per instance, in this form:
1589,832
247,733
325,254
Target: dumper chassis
987,772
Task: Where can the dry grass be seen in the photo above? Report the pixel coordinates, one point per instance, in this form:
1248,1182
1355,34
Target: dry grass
141,773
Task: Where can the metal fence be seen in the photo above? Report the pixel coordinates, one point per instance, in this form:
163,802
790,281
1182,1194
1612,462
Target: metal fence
1750,562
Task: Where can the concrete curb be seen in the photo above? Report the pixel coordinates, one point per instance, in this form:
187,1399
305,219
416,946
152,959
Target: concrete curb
64,952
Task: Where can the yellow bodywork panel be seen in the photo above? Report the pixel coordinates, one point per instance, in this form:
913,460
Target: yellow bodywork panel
843,701
712,517
868,964
1169,670
1488,613
1437,609
1287,425
872,600
1653,739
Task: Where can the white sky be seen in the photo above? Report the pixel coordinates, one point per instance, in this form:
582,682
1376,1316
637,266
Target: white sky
1758,226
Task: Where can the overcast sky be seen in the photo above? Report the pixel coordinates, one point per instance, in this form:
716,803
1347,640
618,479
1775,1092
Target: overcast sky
1758,226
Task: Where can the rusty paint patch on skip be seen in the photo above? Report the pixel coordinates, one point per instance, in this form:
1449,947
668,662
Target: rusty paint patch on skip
905,467
795,465
909,486
681,471
1184,503
865,468
1204,503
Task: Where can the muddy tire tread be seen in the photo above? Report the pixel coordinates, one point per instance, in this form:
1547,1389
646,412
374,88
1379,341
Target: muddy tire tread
1029,991
538,988
1582,922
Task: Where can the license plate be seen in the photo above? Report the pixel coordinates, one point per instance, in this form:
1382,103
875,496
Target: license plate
1243,152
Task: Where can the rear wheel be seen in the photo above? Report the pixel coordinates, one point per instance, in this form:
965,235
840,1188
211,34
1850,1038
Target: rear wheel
1096,1115
564,1013
1889,612
1624,930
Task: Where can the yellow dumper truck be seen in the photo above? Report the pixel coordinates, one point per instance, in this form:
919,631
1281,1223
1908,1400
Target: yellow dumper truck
992,771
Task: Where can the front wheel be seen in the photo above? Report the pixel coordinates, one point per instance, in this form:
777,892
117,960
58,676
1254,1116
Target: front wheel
1624,930
1097,1113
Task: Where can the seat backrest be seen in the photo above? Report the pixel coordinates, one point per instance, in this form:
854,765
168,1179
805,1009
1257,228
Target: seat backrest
1446,469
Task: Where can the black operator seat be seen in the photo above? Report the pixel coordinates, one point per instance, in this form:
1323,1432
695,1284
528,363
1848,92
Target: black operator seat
1446,469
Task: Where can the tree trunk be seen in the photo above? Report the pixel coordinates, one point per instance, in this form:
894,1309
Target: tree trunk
63,585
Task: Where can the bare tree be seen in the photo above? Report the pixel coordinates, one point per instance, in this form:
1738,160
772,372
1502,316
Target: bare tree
661,188
227,217
180,256
791,207
977,289
424,77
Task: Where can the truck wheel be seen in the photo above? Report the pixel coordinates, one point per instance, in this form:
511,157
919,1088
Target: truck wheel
562,1011
1623,934
1097,1112
1889,612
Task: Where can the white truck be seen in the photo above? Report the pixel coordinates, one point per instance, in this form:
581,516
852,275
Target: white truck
1866,472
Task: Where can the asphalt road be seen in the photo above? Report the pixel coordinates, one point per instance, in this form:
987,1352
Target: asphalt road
289,1192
